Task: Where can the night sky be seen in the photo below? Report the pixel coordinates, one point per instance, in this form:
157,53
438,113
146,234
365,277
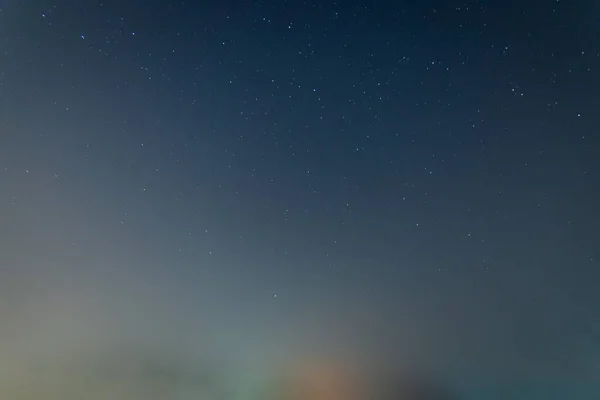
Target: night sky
199,197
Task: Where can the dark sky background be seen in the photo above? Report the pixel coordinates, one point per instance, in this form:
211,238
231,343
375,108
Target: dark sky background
233,188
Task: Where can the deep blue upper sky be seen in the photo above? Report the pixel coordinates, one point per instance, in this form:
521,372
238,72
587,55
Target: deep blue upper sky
384,183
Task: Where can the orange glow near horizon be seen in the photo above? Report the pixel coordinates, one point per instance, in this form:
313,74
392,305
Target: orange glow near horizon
319,380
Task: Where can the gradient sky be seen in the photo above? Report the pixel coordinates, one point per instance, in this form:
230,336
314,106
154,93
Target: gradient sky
221,191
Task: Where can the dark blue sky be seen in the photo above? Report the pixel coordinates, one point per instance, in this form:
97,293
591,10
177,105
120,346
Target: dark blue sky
372,183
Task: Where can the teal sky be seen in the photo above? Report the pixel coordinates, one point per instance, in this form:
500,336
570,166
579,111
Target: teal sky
197,198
